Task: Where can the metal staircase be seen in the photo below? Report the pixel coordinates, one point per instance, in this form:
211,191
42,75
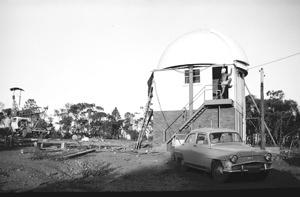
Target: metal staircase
185,125
200,110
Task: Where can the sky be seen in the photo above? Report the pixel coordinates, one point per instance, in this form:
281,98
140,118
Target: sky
103,52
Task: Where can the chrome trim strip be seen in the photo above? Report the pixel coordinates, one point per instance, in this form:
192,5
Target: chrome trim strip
244,170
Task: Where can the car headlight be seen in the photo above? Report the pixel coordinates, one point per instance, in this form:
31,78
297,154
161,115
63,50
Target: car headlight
268,156
233,158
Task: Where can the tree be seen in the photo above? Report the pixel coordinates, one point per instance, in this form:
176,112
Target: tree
66,122
42,124
116,128
30,107
116,123
30,104
281,116
85,117
2,106
133,134
115,113
278,95
128,121
7,111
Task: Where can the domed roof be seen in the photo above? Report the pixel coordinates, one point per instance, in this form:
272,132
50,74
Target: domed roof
203,46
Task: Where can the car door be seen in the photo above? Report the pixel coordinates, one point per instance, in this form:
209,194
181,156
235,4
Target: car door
187,148
201,149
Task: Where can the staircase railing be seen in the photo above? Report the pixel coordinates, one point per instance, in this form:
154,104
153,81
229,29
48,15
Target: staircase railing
185,125
195,115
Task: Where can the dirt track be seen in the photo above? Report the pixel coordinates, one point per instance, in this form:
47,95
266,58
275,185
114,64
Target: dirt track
106,170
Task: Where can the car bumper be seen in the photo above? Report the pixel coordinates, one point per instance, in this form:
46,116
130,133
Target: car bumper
249,168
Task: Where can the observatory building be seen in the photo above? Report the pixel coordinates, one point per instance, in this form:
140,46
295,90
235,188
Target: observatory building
199,83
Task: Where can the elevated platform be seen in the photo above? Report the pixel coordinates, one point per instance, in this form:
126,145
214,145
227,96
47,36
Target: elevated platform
218,102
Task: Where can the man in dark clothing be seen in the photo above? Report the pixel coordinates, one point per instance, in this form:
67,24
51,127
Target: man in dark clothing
225,80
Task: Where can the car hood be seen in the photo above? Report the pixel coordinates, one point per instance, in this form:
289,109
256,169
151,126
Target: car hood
240,149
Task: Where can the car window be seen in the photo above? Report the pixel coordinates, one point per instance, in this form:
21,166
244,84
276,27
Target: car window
224,137
201,139
190,138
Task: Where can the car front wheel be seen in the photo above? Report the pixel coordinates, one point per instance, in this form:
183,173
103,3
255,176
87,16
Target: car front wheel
217,172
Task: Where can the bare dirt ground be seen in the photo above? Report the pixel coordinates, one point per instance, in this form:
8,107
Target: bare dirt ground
124,170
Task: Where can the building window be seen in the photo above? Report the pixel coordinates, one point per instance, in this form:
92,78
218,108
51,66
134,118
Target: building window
196,76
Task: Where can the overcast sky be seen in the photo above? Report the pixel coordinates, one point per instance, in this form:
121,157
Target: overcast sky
102,52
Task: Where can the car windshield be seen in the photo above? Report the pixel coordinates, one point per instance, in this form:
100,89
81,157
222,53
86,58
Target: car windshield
224,137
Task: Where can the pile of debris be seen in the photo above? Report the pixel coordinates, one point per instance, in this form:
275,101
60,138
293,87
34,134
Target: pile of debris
59,149
16,141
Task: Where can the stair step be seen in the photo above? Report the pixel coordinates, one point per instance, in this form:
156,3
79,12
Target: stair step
194,117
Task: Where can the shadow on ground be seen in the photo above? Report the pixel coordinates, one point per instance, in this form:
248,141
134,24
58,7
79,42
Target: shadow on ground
294,161
169,177
92,179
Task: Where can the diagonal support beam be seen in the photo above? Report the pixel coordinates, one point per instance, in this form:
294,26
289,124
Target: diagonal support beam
269,132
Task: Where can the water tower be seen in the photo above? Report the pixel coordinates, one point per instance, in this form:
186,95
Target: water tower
189,92
15,106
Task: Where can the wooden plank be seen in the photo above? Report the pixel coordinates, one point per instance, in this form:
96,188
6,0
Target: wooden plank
51,149
78,153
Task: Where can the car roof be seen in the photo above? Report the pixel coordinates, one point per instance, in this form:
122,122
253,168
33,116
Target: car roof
212,130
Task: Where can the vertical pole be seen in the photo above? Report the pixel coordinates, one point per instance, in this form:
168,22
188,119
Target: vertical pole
191,93
219,109
20,99
263,137
235,98
280,134
244,109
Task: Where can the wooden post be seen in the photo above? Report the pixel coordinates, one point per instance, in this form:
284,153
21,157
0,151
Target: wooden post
11,141
5,141
191,93
219,111
262,116
63,145
280,131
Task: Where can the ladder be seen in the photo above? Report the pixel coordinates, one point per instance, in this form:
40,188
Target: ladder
146,120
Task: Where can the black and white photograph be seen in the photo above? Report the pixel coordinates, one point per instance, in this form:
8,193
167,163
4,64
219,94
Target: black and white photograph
149,96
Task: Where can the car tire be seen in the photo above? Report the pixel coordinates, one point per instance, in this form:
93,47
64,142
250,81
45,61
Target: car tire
217,172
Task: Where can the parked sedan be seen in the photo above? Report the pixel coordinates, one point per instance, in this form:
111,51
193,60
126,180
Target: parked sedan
221,152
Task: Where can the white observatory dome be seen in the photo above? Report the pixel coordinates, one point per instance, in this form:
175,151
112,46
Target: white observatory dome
203,46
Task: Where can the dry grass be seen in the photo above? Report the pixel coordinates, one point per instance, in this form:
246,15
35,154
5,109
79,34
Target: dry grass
99,169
